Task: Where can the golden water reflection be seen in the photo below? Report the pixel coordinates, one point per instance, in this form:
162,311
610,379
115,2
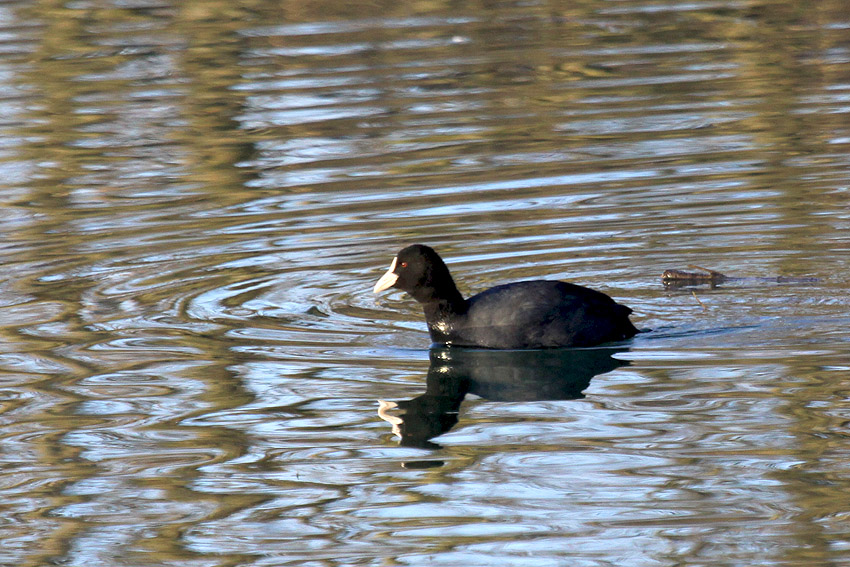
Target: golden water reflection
196,195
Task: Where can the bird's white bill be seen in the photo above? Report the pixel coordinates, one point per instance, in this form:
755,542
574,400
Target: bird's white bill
387,280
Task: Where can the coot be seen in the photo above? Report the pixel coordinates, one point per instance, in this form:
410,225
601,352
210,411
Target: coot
521,315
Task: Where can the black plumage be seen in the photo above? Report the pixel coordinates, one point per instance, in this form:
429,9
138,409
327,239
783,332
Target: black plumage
521,315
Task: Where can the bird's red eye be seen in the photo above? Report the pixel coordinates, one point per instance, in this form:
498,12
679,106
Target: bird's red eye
404,264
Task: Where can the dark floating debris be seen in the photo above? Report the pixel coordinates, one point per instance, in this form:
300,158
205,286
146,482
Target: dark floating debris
713,278
681,278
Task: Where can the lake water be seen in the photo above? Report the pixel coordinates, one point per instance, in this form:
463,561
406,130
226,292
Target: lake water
197,198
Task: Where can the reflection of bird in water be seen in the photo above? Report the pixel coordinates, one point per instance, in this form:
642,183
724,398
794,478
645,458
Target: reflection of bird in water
497,375
384,408
422,418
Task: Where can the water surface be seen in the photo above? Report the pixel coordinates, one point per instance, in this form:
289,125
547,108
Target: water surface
197,198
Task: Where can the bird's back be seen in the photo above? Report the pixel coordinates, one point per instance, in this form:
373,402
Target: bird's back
540,314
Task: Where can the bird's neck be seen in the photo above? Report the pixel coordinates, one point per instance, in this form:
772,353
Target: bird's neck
441,315
453,304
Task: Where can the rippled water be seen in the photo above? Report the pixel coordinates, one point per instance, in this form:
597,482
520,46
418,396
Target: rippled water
197,198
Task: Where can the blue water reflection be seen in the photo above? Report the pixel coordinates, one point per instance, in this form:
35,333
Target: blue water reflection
196,198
